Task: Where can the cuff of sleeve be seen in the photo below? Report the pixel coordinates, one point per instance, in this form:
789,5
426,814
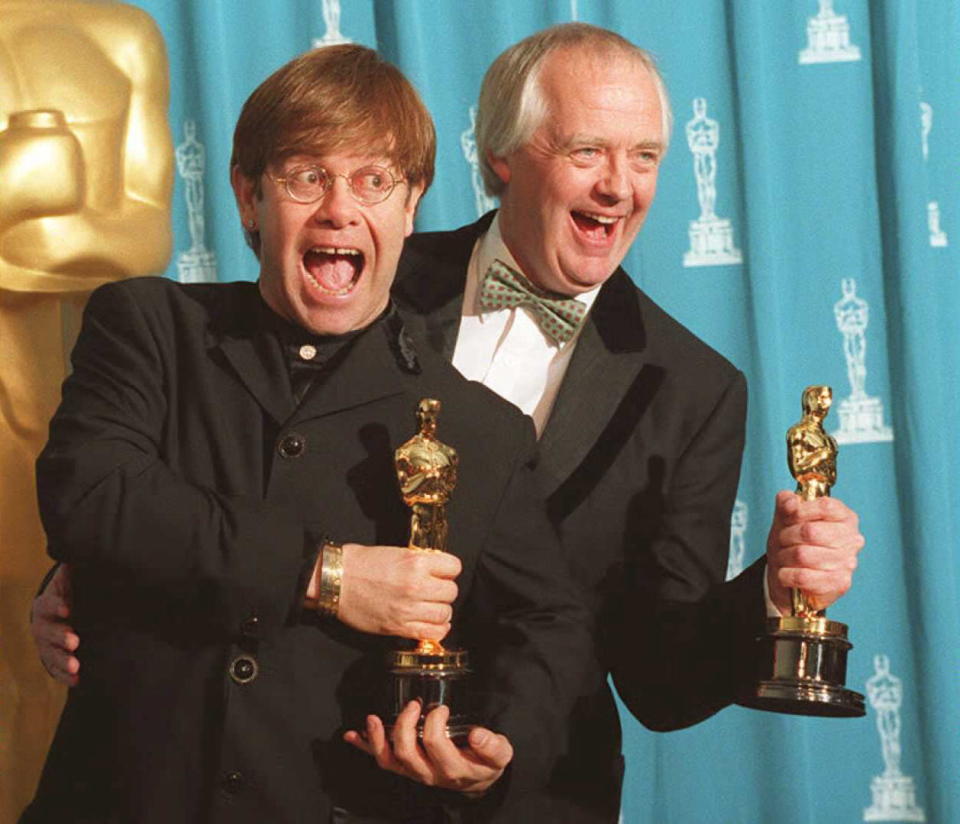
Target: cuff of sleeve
312,544
772,610
47,579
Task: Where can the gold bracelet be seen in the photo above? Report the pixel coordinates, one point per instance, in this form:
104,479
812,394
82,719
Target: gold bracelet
331,578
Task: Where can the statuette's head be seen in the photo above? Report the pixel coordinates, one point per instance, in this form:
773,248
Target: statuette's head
427,411
817,400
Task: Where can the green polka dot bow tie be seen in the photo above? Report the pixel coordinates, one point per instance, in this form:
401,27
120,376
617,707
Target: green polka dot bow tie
505,288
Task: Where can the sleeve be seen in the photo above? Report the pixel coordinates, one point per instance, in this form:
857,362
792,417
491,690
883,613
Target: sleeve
113,507
534,631
45,581
684,639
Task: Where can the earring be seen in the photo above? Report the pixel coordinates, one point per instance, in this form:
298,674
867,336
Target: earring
251,224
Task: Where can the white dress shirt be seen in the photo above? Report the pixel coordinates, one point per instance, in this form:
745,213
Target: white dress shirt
505,349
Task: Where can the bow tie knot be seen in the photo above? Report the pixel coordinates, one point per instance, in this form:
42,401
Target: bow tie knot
504,288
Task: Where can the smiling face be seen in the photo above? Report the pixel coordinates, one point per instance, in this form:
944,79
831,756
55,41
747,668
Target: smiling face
579,190
327,266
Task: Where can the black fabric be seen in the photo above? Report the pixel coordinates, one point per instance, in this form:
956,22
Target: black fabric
291,339
190,540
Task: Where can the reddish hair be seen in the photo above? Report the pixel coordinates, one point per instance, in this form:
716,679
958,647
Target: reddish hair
333,98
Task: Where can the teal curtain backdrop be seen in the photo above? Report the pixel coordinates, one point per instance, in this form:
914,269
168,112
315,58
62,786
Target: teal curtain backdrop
807,226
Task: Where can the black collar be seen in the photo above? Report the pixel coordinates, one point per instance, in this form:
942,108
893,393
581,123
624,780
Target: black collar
293,338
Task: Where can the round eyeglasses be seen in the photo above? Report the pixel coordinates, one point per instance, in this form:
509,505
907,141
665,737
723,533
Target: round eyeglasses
368,184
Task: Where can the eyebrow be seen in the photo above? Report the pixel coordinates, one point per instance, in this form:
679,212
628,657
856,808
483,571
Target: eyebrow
585,139
649,144
302,160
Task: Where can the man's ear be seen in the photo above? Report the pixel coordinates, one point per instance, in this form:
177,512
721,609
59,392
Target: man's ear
244,190
414,194
500,166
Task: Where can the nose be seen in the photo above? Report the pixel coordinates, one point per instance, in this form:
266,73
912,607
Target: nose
613,184
336,208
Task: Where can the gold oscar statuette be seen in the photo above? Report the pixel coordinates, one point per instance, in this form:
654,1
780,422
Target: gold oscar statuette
427,474
802,665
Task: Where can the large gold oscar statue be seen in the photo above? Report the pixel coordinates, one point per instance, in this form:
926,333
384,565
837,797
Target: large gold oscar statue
86,177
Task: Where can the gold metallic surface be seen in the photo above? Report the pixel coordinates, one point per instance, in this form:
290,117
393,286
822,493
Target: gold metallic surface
331,578
809,625
454,661
86,177
427,473
812,457
802,657
430,674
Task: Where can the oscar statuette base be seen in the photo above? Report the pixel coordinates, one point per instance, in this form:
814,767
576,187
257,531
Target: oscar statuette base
433,678
803,661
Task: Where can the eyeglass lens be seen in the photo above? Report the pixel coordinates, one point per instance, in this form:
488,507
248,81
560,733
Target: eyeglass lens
370,184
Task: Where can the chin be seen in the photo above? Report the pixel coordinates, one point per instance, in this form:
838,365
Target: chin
584,281
329,323
596,273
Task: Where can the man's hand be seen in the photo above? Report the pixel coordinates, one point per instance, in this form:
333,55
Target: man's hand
390,590
437,762
56,641
812,547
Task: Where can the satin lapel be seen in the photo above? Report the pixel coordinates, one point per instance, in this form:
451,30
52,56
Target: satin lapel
254,358
369,371
606,363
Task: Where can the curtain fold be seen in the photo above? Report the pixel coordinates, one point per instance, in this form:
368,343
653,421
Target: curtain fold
922,305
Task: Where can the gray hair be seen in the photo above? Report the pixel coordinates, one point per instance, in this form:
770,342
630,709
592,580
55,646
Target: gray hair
512,105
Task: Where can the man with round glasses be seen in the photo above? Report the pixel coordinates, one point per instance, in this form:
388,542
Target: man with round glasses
222,449
368,185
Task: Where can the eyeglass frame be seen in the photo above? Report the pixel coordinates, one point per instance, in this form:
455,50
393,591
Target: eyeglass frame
331,176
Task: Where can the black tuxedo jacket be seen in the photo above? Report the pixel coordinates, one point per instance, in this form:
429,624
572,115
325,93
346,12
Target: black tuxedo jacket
189,494
639,461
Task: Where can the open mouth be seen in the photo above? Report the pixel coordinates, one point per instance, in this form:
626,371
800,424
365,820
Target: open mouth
595,226
333,270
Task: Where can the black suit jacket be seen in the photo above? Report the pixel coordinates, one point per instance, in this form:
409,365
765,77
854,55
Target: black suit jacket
640,461
191,521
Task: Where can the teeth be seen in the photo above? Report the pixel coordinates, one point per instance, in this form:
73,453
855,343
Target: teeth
334,250
606,220
337,293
